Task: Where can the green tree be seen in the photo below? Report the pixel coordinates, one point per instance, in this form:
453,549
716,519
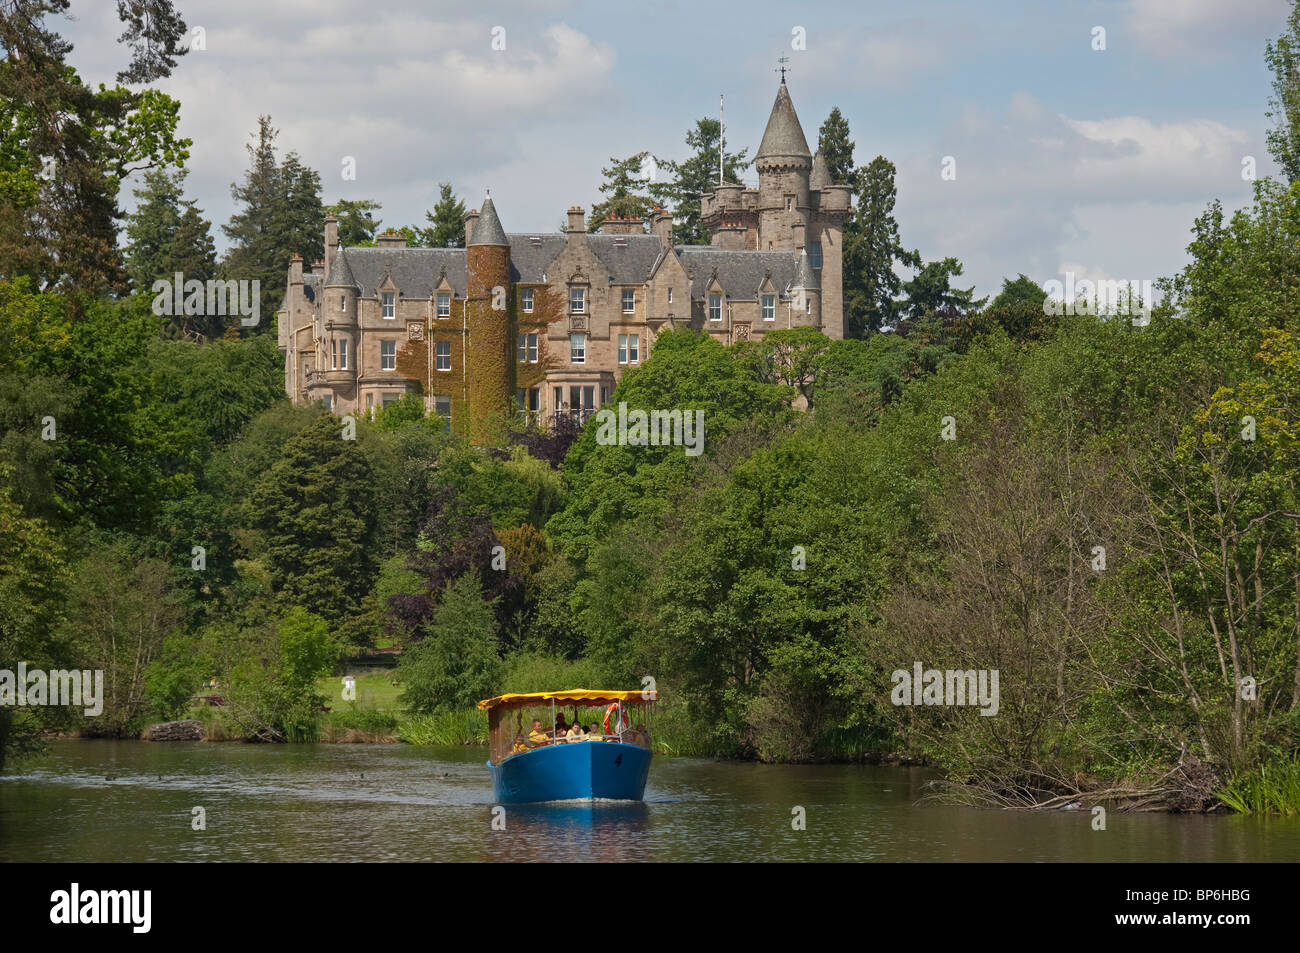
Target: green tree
1283,58
871,248
65,148
281,216
930,290
836,147
167,234
446,221
456,663
316,511
357,226
624,191
694,177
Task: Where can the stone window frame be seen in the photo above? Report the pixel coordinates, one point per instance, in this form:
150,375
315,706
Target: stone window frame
578,348
765,300
581,292
441,352
388,359
720,299
443,296
388,305
629,349
629,306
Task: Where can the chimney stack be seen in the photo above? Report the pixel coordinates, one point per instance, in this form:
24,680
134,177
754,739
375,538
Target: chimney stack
391,239
577,223
661,224
471,220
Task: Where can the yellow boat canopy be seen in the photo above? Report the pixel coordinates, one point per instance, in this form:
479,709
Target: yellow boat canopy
580,696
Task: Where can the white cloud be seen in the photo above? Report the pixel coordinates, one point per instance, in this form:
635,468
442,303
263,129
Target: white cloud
1040,193
1204,28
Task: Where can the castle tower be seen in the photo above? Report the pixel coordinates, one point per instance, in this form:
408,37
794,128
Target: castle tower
488,352
784,165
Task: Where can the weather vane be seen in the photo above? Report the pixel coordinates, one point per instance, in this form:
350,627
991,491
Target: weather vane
782,69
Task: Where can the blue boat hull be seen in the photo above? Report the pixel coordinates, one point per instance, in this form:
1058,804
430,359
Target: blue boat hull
580,770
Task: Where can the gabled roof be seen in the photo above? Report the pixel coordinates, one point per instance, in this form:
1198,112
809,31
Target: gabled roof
488,230
740,273
783,136
414,270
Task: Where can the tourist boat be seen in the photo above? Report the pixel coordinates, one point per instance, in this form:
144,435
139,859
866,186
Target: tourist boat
529,764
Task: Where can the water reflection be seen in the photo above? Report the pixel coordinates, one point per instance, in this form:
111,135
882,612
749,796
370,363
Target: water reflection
133,801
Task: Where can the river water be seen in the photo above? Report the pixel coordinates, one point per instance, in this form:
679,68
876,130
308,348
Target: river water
134,801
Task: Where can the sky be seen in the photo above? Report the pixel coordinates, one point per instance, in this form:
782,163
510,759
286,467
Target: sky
1067,157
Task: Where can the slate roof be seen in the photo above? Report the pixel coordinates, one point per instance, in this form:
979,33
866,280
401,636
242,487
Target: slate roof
488,230
628,258
415,271
740,273
529,262
783,136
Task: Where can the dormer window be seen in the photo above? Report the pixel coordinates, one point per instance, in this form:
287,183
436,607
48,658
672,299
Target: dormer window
715,307
629,300
769,307
578,300
444,304
388,302
526,299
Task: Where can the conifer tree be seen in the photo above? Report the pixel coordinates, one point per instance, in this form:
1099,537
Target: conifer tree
624,191
836,147
446,221
692,178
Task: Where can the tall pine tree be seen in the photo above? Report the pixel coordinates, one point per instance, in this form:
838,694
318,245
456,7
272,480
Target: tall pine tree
871,246
446,221
281,216
693,178
836,147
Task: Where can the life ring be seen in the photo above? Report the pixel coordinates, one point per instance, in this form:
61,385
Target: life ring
618,724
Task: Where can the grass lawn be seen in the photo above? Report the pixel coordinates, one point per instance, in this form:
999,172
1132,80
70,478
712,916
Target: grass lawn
375,691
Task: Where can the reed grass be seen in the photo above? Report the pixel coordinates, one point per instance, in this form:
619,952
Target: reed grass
1268,789
465,727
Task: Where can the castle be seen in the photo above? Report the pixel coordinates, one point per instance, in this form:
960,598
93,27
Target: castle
546,324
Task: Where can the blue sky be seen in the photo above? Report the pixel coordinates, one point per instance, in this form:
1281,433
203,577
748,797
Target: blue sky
1067,158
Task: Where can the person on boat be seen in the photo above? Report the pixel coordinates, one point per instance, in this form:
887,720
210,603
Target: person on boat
538,737
520,744
594,734
561,728
575,733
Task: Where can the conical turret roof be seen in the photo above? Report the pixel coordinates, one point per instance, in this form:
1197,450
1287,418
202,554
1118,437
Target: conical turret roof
821,173
340,272
806,276
783,136
488,230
